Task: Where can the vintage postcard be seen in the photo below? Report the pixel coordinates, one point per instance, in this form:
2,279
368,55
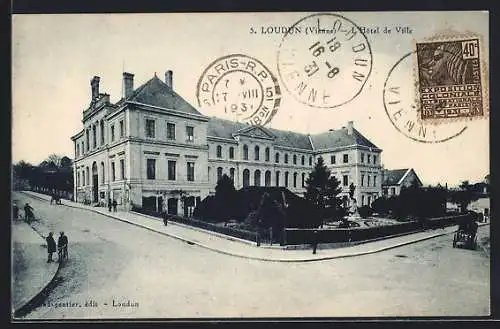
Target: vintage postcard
252,164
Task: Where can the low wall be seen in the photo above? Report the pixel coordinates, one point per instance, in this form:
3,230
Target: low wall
304,236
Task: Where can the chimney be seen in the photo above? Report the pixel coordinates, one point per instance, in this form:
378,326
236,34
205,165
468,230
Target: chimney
128,84
349,127
168,79
94,84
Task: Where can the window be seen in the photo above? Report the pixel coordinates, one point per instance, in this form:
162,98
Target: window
268,154
113,172
103,173
393,190
219,151
190,171
77,150
246,177
231,152
257,153
362,180
190,134
87,141
374,159
369,158
209,178
332,159
294,179
113,133
294,159
368,184
346,158
302,161
151,169
256,178
286,157
219,173
267,178
150,128
375,180
277,158
170,131
362,200
122,129
303,179
231,174
83,178
122,168
310,161
171,170
277,178
83,148
286,178
245,152
87,176
362,157
345,180
102,132
94,136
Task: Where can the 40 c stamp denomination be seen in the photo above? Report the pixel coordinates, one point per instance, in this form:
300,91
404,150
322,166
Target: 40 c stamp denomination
239,87
329,66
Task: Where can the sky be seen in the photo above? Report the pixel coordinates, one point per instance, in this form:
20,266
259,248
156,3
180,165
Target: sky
54,57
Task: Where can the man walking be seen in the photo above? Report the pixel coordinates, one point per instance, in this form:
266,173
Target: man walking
315,241
15,211
28,212
51,246
110,204
62,246
114,205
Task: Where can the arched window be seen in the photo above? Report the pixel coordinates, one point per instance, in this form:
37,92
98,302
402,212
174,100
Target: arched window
246,178
257,153
286,157
256,178
294,159
231,152
286,178
294,179
219,151
303,160
277,178
303,179
231,174
267,178
268,155
102,173
277,158
219,173
245,152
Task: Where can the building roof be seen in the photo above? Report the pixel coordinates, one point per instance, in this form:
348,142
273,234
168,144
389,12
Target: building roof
393,177
157,93
332,139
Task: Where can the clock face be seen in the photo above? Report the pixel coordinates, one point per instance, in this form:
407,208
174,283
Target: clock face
402,107
327,64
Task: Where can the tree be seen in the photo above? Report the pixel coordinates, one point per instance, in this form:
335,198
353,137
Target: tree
322,190
225,193
464,196
55,159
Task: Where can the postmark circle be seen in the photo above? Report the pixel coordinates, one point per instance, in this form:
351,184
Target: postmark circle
327,64
401,107
241,88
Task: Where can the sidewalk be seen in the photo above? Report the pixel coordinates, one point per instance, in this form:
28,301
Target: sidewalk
249,250
30,271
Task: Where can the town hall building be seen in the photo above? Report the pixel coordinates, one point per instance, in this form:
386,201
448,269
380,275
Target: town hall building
152,149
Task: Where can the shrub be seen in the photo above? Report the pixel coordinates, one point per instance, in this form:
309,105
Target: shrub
365,211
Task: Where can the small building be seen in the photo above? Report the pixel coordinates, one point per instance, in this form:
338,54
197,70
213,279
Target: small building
394,180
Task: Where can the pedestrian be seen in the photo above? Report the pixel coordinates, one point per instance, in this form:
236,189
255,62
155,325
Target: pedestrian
51,246
62,247
110,204
315,241
165,218
114,205
15,211
28,212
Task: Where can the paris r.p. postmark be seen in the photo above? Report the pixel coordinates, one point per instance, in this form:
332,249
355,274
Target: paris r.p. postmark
328,65
241,88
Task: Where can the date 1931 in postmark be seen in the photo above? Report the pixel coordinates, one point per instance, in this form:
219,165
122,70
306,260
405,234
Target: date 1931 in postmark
450,84
327,67
241,88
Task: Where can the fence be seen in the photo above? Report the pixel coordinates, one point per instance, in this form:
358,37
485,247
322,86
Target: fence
304,236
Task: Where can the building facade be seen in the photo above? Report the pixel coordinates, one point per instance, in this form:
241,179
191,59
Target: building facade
394,180
153,149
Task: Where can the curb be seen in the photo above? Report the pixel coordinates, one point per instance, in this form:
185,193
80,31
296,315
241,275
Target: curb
27,305
281,260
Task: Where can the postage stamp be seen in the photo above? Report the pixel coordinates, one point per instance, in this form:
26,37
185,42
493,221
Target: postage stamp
403,109
327,65
239,87
451,80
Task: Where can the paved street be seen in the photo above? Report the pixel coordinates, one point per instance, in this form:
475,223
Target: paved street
112,262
